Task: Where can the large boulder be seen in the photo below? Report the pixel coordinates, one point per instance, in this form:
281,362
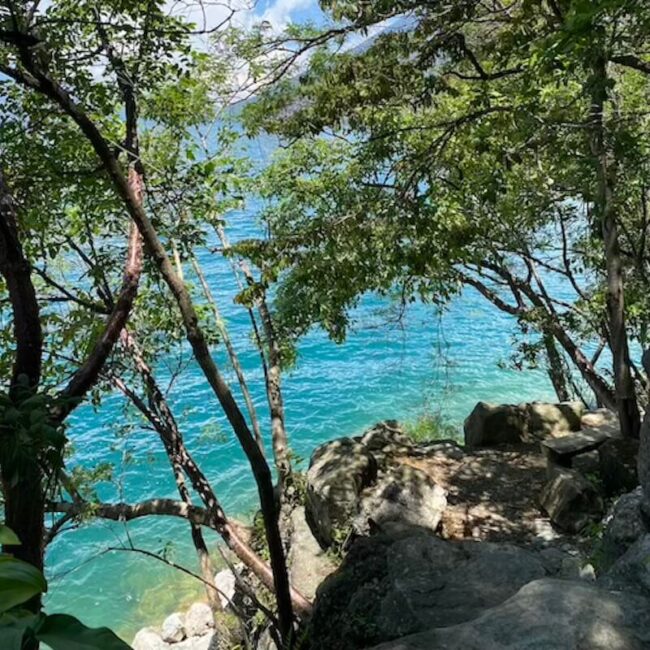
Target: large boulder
553,420
388,587
631,572
403,497
570,500
338,473
149,639
618,460
173,628
623,525
226,584
547,614
490,424
199,620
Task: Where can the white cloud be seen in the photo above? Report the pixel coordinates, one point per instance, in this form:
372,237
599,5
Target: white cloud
279,14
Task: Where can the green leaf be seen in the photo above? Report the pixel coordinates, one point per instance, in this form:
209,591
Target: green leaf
63,632
19,581
7,536
14,627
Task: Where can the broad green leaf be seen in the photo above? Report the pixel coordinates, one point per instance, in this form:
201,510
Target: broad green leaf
14,627
7,536
63,632
19,581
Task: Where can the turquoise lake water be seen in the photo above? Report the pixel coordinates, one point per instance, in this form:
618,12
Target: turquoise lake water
428,363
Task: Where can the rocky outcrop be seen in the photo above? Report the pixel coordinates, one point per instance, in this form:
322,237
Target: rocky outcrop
571,501
631,572
338,473
387,587
354,486
553,420
547,614
491,424
617,465
623,525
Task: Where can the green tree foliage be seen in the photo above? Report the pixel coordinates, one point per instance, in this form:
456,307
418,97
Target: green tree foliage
453,147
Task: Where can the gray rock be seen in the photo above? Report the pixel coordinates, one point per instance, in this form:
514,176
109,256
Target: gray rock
199,620
618,461
631,572
388,587
266,642
226,584
338,473
403,497
547,614
207,641
489,424
148,639
570,500
553,420
643,462
623,525
173,628
308,563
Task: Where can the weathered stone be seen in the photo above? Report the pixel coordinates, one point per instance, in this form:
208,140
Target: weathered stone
386,440
389,587
489,424
173,628
588,464
403,497
308,563
643,462
148,639
266,642
631,572
546,614
553,420
338,472
226,584
600,418
623,525
571,501
199,619
618,459
208,641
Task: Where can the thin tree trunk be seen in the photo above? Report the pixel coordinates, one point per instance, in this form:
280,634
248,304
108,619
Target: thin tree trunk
556,371
47,86
273,380
626,401
21,473
232,354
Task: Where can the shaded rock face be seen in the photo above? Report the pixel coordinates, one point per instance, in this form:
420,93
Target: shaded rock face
173,628
148,639
353,486
618,465
387,588
631,572
338,472
570,500
547,615
490,424
623,526
402,497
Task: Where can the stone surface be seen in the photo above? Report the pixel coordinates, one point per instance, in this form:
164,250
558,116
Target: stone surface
226,584
338,472
199,619
600,418
623,525
308,563
618,460
208,641
149,639
643,461
631,572
403,497
546,615
173,628
490,424
388,587
553,420
570,500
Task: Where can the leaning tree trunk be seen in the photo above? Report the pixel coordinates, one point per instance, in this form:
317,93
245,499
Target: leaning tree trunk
626,400
556,371
24,501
